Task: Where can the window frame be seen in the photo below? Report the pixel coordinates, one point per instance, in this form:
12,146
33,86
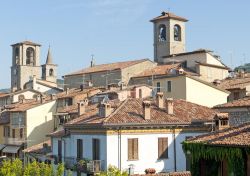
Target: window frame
133,149
163,148
169,86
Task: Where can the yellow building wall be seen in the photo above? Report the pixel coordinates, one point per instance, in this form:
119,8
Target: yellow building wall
1,134
203,94
178,87
39,122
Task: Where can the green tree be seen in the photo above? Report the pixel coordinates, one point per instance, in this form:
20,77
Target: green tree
12,168
113,171
60,169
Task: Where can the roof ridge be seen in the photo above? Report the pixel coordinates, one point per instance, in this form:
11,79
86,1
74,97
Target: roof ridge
114,112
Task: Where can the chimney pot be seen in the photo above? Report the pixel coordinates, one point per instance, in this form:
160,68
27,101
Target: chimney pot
159,100
53,96
42,99
38,97
146,110
105,110
170,105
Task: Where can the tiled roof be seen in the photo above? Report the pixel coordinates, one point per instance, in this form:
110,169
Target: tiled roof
234,136
74,92
162,70
244,102
27,42
107,67
168,15
234,83
39,148
26,105
184,173
58,133
131,112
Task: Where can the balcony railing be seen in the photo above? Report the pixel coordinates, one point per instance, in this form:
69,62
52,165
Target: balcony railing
13,141
81,165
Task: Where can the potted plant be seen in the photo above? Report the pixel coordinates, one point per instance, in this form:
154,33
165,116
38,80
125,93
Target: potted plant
150,171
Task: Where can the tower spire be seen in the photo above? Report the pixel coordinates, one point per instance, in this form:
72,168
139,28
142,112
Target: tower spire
49,57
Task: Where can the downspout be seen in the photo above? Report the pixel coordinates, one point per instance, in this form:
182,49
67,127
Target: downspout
119,148
64,152
174,150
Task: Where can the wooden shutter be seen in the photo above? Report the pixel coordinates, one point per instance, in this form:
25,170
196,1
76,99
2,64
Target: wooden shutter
133,153
96,149
162,148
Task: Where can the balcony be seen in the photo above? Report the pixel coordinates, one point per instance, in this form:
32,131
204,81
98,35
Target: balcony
13,141
82,165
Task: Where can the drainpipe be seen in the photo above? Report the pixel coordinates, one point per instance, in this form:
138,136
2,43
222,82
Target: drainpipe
174,150
64,153
119,148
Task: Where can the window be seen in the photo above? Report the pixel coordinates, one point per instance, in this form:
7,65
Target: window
224,122
51,72
6,132
30,56
59,149
162,148
140,93
21,97
21,133
177,32
79,149
162,33
169,86
68,101
13,133
133,149
158,86
96,149
17,55
188,157
236,95
17,120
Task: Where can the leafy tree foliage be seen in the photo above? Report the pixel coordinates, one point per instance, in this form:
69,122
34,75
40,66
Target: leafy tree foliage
113,171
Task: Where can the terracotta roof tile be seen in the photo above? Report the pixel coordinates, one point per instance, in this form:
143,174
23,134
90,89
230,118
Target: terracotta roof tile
168,15
131,112
75,92
107,67
244,102
39,148
163,70
234,83
234,136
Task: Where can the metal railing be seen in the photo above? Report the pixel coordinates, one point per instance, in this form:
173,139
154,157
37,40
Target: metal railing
81,164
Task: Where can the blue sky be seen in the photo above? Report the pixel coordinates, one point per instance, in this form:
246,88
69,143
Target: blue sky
117,30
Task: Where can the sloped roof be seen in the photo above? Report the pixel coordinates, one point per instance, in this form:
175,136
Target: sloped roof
107,67
234,136
27,42
163,70
75,92
168,15
243,102
234,83
131,112
39,148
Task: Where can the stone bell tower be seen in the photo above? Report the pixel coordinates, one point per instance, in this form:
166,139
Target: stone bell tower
25,63
169,35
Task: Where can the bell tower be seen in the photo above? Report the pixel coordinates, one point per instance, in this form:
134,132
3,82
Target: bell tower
49,70
25,63
169,35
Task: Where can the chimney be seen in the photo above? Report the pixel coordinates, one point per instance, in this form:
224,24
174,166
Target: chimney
67,91
105,109
170,105
34,82
53,96
146,110
81,108
159,100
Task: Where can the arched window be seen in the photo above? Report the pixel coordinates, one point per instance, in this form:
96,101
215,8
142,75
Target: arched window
17,55
162,32
177,32
30,54
51,72
20,97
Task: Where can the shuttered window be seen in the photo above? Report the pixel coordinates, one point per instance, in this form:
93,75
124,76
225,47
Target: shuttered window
133,149
96,149
162,148
59,149
79,149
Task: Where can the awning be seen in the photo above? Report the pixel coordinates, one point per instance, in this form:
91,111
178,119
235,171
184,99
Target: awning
11,149
2,146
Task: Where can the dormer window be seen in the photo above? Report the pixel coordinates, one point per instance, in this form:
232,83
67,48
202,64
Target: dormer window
177,32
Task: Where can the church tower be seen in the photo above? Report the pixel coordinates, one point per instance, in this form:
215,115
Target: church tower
25,63
169,35
49,70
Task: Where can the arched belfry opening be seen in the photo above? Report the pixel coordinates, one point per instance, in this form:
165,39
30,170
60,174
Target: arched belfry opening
162,33
177,32
30,56
51,72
